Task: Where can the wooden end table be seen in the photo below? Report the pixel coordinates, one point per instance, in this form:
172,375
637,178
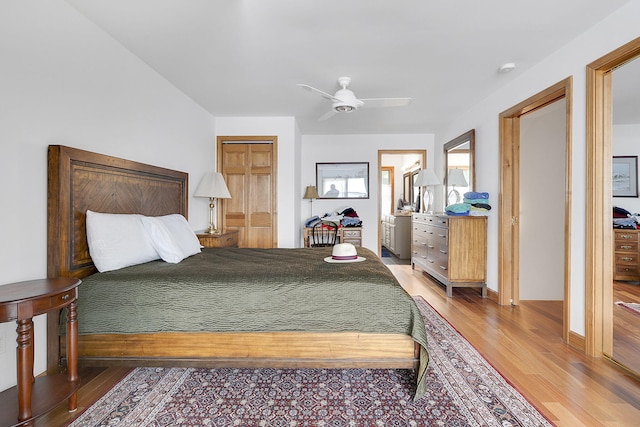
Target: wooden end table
20,302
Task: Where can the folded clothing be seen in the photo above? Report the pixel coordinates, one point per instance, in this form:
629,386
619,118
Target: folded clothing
458,209
476,195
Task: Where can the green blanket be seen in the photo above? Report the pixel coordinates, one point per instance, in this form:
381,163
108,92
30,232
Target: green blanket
245,290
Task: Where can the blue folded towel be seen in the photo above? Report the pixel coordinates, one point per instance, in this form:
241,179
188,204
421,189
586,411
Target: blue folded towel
476,195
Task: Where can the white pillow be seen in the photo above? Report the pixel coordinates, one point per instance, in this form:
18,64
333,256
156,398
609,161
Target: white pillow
182,234
118,240
162,240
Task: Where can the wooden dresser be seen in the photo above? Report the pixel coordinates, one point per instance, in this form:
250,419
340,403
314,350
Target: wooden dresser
625,255
452,249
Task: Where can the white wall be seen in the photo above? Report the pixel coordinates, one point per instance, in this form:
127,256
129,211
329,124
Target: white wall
355,148
542,193
569,60
626,142
64,81
289,186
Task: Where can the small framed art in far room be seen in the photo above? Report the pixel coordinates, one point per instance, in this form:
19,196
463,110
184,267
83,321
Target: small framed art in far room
624,171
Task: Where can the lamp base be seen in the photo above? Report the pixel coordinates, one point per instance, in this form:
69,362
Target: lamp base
212,230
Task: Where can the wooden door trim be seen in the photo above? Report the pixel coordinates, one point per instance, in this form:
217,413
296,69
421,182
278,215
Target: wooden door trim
509,199
599,233
422,153
254,139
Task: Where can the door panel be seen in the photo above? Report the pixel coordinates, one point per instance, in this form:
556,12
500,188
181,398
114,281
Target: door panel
249,170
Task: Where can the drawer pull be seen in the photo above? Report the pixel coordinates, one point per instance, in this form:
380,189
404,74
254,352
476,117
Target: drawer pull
443,251
625,247
65,297
626,258
430,247
442,235
626,236
443,267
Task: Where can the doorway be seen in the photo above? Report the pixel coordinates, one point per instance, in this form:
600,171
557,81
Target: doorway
512,196
248,165
398,200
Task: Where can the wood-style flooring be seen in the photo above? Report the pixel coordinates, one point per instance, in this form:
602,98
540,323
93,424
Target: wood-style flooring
523,343
626,326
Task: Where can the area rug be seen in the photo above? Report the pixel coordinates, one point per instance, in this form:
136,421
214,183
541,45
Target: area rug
631,306
463,390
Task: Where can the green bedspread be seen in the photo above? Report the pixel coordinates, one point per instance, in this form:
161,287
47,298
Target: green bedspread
245,290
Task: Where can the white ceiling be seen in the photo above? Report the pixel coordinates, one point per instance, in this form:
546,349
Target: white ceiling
245,57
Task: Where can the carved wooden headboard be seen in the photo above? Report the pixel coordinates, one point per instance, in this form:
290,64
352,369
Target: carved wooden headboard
81,180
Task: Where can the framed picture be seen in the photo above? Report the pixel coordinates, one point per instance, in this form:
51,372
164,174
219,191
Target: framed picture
342,180
625,176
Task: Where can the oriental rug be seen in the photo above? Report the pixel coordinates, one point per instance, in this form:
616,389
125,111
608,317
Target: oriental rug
463,390
631,306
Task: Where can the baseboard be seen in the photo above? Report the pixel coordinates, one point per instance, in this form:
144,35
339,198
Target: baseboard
577,341
492,295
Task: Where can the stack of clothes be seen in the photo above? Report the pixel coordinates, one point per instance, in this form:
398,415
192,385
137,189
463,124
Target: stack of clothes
473,204
622,218
347,218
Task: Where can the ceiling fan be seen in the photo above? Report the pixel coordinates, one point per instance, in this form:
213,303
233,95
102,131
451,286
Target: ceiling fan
345,101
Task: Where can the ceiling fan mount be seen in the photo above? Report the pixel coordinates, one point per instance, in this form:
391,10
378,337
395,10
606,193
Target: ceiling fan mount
345,101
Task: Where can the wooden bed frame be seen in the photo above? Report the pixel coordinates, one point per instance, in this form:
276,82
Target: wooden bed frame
81,180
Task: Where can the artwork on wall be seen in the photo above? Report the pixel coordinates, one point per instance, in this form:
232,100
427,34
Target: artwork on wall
342,180
625,176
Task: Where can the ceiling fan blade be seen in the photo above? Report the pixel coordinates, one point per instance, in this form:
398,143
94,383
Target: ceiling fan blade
318,91
326,115
385,102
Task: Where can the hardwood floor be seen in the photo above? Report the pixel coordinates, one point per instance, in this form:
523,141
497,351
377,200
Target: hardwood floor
626,326
523,343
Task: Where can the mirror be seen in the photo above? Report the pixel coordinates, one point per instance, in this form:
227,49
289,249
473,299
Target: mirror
342,180
625,148
459,166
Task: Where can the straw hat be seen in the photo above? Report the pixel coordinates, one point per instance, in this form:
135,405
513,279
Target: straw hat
344,252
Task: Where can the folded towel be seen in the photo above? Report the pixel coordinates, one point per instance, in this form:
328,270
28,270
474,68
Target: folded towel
474,201
476,195
458,208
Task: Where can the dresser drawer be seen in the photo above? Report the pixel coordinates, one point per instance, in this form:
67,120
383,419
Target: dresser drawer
626,236
626,259
347,233
626,272
626,246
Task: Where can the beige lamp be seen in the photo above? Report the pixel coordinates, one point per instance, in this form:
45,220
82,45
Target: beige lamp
212,186
427,178
311,193
455,179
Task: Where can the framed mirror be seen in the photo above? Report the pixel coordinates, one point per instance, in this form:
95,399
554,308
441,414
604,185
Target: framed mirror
459,166
342,180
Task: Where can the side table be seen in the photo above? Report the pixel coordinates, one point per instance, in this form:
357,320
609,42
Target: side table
20,302
224,239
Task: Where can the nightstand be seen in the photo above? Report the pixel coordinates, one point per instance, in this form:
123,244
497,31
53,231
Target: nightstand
225,239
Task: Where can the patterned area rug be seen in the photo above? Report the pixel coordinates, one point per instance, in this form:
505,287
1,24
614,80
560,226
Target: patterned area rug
464,390
631,306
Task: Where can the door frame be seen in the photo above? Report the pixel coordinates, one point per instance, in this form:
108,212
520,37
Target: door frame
509,201
422,153
253,139
599,233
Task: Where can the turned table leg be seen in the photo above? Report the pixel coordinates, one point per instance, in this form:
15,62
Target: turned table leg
24,354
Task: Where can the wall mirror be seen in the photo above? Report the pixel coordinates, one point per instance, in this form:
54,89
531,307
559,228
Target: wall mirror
342,180
459,166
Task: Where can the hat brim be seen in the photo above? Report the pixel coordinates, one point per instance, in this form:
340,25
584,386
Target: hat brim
344,261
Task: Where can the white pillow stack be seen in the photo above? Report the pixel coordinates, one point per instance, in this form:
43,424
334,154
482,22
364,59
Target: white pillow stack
121,240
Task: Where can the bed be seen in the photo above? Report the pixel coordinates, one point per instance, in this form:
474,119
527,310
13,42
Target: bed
223,307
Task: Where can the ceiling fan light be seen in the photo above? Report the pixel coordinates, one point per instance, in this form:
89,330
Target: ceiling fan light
344,108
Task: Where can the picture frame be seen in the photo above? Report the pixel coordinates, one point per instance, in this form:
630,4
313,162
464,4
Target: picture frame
624,171
346,180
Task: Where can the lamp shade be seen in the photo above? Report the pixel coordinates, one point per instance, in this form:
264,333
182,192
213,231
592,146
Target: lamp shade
426,177
212,185
311,192
456,178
